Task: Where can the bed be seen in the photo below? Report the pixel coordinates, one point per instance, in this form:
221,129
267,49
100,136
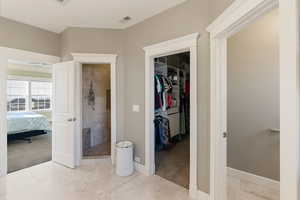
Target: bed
22,125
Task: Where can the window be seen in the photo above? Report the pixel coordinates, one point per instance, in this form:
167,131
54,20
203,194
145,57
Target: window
41,96
17,98
28,95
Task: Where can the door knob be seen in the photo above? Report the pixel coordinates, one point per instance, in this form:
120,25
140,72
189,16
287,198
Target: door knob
72,119
225,134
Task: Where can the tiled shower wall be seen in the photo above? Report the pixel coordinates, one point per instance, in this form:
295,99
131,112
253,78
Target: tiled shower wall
96,105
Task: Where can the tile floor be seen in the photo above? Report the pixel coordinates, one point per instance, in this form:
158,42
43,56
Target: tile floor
239,189
94,180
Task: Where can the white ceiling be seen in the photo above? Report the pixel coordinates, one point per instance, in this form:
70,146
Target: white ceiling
53,16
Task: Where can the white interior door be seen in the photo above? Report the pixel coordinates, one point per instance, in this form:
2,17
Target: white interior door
63,138
219,120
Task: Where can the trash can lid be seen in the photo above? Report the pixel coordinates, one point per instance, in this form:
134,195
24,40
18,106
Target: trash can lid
124,144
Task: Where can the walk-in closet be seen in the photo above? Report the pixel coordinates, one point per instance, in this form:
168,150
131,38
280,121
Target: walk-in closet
172,117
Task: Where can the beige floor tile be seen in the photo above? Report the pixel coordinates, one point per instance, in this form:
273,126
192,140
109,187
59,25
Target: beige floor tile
244,190
94,180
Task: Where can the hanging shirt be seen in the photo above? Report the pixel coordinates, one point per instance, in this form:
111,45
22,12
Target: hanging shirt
162,86
157,89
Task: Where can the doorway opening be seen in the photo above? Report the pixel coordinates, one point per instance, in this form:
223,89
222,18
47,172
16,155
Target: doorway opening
172,117
96,110
179,45
253,115
29,114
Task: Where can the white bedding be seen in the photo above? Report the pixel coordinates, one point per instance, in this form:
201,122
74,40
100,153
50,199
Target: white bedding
18,122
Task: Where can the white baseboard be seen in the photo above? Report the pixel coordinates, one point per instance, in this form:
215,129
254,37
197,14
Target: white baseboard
258,180
198,195
140,168
242,185
202,195
195,194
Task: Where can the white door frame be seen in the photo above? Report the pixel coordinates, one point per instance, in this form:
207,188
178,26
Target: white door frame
85,58
237,16
7,54
182,44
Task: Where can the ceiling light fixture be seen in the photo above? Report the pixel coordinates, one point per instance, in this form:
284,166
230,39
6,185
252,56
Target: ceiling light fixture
126,19
63,2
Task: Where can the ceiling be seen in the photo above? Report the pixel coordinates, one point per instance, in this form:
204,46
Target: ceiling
54,16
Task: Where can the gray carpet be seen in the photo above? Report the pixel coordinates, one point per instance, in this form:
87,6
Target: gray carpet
22,154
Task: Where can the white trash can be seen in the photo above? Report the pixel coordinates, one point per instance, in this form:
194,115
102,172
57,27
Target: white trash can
124,164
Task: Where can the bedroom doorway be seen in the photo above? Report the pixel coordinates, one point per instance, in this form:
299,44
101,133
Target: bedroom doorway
22,61
66,96
29,114
96,110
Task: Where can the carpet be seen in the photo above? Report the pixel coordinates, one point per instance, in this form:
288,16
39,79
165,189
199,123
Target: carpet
21,154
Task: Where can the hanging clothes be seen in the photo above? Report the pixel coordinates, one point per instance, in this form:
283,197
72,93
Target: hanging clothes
162,133
162,86
171,102
158,90
187,87
187,105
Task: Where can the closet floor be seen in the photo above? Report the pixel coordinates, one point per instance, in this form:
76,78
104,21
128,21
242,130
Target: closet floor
173,164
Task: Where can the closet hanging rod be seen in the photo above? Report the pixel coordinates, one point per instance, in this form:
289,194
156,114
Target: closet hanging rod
274,130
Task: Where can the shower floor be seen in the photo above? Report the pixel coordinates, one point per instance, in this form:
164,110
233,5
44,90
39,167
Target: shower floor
99,150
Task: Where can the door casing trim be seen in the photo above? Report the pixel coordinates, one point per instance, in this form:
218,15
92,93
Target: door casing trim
170,47
7,54
237,16
86,58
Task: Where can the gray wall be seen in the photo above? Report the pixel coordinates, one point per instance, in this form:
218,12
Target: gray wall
190,17
216,7
253,98
21,36
102,41
184,19
91,40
